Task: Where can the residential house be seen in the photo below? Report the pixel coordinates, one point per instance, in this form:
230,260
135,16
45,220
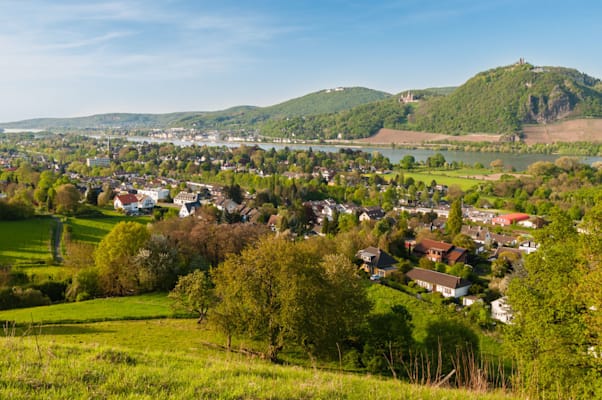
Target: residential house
509,219
227,204
145,203
433,281
528,247
126,202
440,252
500,310
375,213
377,261
533,223
185,197
189,209
157,194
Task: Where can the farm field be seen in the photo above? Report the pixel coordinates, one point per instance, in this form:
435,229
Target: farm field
26,241
93,229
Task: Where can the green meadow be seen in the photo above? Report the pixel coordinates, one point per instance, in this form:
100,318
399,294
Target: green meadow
448,178
93,229
146,306
26,241
139,353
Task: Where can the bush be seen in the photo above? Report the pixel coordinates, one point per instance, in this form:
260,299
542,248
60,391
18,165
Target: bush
84,286
54,290
17,297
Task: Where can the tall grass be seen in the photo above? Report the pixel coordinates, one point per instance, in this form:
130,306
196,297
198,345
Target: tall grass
32,369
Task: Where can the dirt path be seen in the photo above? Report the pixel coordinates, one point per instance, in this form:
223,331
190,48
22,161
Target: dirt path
57,253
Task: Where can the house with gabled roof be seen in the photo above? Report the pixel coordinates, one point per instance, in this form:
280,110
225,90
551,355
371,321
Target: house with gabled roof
440,252
500,310
377,262
374,213
189,209
433,281
126,202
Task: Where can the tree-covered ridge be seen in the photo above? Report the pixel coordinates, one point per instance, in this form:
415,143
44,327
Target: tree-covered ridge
321,102
500,100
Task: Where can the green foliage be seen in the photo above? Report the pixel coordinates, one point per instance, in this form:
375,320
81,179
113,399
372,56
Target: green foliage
195,293
552,336
115,255
453,226
283,293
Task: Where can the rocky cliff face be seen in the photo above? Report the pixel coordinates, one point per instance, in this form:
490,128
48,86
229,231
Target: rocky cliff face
558,104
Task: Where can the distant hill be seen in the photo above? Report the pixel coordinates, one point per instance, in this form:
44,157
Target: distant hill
502,100
499,101
322,102
358,122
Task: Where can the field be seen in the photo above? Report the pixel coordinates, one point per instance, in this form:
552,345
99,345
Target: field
26,241
578,130
464,178
388,136
92,230
176,358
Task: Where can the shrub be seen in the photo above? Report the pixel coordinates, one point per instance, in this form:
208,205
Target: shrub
54,290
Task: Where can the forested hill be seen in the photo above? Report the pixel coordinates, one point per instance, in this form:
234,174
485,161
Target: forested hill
497,101
321,102
502,99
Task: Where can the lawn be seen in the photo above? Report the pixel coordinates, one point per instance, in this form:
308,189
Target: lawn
93,229
147,306
26,241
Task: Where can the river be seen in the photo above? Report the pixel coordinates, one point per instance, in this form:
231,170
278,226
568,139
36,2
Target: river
519,162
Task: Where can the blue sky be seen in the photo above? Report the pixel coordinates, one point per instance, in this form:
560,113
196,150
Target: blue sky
74,57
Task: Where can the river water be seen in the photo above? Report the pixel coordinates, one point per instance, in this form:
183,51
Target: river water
519,162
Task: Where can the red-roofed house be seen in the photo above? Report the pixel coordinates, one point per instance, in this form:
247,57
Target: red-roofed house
509,219
126,202
440,252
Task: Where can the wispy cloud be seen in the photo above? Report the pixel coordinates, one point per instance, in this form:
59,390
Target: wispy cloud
120,39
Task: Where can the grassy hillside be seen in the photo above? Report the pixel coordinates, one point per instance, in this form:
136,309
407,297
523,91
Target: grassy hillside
93,229
154,305
176,358
39,369
26,241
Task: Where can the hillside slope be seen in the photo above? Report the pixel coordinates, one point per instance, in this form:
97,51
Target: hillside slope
502,99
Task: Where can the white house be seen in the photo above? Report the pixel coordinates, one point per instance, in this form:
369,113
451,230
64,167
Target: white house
126,202
501,310
188,209
528,247
433,281
157,194
185,197
145,202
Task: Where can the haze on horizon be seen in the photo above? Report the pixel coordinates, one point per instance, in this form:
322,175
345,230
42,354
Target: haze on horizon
69,58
